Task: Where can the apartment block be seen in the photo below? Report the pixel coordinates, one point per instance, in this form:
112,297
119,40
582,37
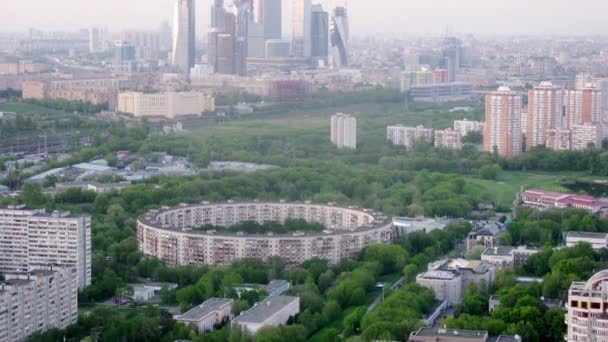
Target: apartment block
96,90
344,131
507,256
465,126
408,136
448,139
32,238
37,301
206,316
587,316
503,123
559,139
586,135
544,112
168,105
583,106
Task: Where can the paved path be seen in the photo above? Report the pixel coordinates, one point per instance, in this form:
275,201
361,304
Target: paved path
378,299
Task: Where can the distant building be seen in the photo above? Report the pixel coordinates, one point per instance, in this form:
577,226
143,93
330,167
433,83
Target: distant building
38,301
30,238
450,278
484,234
97,91
206,316
448,139
344,131
541,199
440,93
506,256
407,225
270,15
584,106
586,318
457,335
168,105
545,106
408,136
503,123
586,135
598,241
147,291
272,311
559,139
465,126
301,33
276,48
339,37
319,34
184,35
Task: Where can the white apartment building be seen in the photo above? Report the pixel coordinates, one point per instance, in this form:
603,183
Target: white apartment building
598,241
408,136
30,238
545,108
344,131
559,139
38,301
465,126
586,318
169,105
503,123
272,311
206,316
448,139
506,256
586,134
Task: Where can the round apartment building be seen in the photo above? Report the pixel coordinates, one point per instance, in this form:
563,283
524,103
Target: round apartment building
172,234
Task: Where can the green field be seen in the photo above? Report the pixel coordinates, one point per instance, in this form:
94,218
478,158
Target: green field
29,109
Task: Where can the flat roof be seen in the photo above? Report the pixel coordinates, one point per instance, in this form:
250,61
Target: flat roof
199,312
275,285
498,251
264,309
471,334
587,235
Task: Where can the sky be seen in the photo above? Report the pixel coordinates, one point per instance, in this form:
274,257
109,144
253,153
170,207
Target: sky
396,17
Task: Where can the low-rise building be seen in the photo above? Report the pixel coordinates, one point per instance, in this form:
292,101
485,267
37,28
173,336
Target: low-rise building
586,135
457,335
169,105
559,139
465,127
444,92
272,311
448,139
507,256
598,241
484,234
408,136
407,225
542,199
97,91
205,317
147,291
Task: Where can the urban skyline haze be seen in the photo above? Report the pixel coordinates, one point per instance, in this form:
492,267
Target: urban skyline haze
429,17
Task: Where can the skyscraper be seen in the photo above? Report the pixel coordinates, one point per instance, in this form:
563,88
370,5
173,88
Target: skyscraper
339,37
243,12
319,34
184,36
545,109
301,17
269,13
583,106
503,123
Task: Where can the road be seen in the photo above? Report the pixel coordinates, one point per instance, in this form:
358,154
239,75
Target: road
378,299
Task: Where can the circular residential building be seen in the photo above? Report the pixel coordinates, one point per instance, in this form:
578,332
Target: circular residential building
175,235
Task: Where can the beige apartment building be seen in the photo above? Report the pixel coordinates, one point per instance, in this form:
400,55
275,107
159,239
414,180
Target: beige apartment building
503,123
37,301
31,238
344,131
465,126
545,109
448,139
169,105
95,90
584,135
408,136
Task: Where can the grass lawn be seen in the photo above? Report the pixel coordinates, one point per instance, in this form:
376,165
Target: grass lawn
29,109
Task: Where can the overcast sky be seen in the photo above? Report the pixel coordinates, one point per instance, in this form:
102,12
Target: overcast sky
366,16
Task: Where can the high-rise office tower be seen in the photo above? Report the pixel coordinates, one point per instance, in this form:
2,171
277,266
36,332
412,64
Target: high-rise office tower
503,123
243,12
270,13
319,34
124,56
545,109
452,48
217,13
301,19
339,37
184,35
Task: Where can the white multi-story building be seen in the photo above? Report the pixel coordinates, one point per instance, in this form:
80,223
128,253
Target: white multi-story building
408,136
344,131
206,316
272,311
30,238
448,139
168,105
559,139
587,319
585,135
598,241
503,123
506,256
465,126
544,112
38,301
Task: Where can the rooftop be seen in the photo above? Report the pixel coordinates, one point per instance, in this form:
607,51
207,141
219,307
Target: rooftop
199,312
264,309
276,285
587,235
498,251
470,334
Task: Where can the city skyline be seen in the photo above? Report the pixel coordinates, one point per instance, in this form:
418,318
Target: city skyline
385,16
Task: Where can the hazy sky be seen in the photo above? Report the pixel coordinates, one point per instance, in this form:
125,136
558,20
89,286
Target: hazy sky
366,16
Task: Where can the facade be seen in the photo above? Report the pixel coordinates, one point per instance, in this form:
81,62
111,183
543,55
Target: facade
168,105
272,311
270,13
319,36
449,279
544,113
448,139
206,316
559,139
503,123
301,34
339,37
484,234
276,48
442,92
408,136
586,135
542,199
170,234
457,335
96,90
184,35
586,317
598,241
583,106
30,238
344,131
506,256
465,126
38,301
